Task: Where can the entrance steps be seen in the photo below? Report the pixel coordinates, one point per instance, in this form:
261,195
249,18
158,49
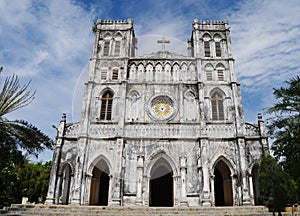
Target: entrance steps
68,210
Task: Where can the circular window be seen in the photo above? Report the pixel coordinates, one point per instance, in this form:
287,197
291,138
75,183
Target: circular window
162,107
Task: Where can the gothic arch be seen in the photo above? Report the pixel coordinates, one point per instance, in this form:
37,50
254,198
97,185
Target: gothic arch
157,155
227,161
62,167
96,161
208,67
160,172
107,36
99,182
219,91
118,35
220,66
105,90
217,37
222,185
206,36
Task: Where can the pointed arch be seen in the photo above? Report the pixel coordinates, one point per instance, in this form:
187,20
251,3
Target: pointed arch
206,44
208,68
220,71
161,181
106,105
100,183
223,193
217,104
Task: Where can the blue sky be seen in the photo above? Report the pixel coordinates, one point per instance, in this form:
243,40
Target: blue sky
50,42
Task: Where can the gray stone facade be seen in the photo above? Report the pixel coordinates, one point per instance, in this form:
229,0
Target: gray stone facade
161,129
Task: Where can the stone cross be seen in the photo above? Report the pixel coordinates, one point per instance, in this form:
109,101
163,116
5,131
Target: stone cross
163,42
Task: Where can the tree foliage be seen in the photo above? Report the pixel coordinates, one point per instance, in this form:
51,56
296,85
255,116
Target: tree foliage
276,187
16,134
17,137
284,128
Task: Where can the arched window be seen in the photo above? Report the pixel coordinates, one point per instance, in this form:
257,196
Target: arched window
218,48
217,106
106,48
115,74
117,48
206,49
106,106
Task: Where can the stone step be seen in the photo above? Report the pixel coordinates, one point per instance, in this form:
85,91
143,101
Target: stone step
60,210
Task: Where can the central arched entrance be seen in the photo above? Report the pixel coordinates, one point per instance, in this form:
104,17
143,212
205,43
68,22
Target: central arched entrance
222,185
161,184
100,184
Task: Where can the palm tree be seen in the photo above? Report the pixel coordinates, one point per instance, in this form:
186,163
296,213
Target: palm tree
19,134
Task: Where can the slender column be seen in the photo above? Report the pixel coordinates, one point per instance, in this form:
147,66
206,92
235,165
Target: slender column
183,201
234,192
251,189
213,199
58,191
140,167
88,189
206,199
175,182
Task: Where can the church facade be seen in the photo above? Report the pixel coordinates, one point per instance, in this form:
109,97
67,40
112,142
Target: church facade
161,129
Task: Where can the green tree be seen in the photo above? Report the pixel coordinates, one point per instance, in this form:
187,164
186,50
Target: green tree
276,187
16,136
284,128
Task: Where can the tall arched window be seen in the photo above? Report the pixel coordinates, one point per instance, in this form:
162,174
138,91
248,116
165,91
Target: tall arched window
217,106
106,48
106,106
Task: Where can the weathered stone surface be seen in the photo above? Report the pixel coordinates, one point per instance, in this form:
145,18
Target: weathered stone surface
158,115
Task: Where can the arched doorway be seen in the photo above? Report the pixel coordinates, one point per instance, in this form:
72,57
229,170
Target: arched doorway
161,184
255,183
100,184
222,185
65,185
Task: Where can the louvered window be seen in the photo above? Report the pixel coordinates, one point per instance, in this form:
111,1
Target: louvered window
220,75
218,49
217,107
117,48
115,74
106,106
209,75
106,48
103,75
206,49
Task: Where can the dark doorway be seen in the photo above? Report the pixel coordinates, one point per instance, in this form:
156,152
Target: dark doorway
161,187
255,183
100,185
223,185
219,190
103,189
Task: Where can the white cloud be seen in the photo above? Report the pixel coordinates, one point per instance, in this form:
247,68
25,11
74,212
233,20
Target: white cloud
51,42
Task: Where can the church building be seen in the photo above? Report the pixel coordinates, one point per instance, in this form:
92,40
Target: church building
161,129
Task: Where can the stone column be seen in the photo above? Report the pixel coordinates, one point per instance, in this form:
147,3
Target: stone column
56,161
88,189
212,182
175,185
251,189
206,197
234,192
140,169
58,190
183,201
243,167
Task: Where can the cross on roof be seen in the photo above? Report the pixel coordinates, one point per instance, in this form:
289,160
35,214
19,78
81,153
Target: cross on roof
163,42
